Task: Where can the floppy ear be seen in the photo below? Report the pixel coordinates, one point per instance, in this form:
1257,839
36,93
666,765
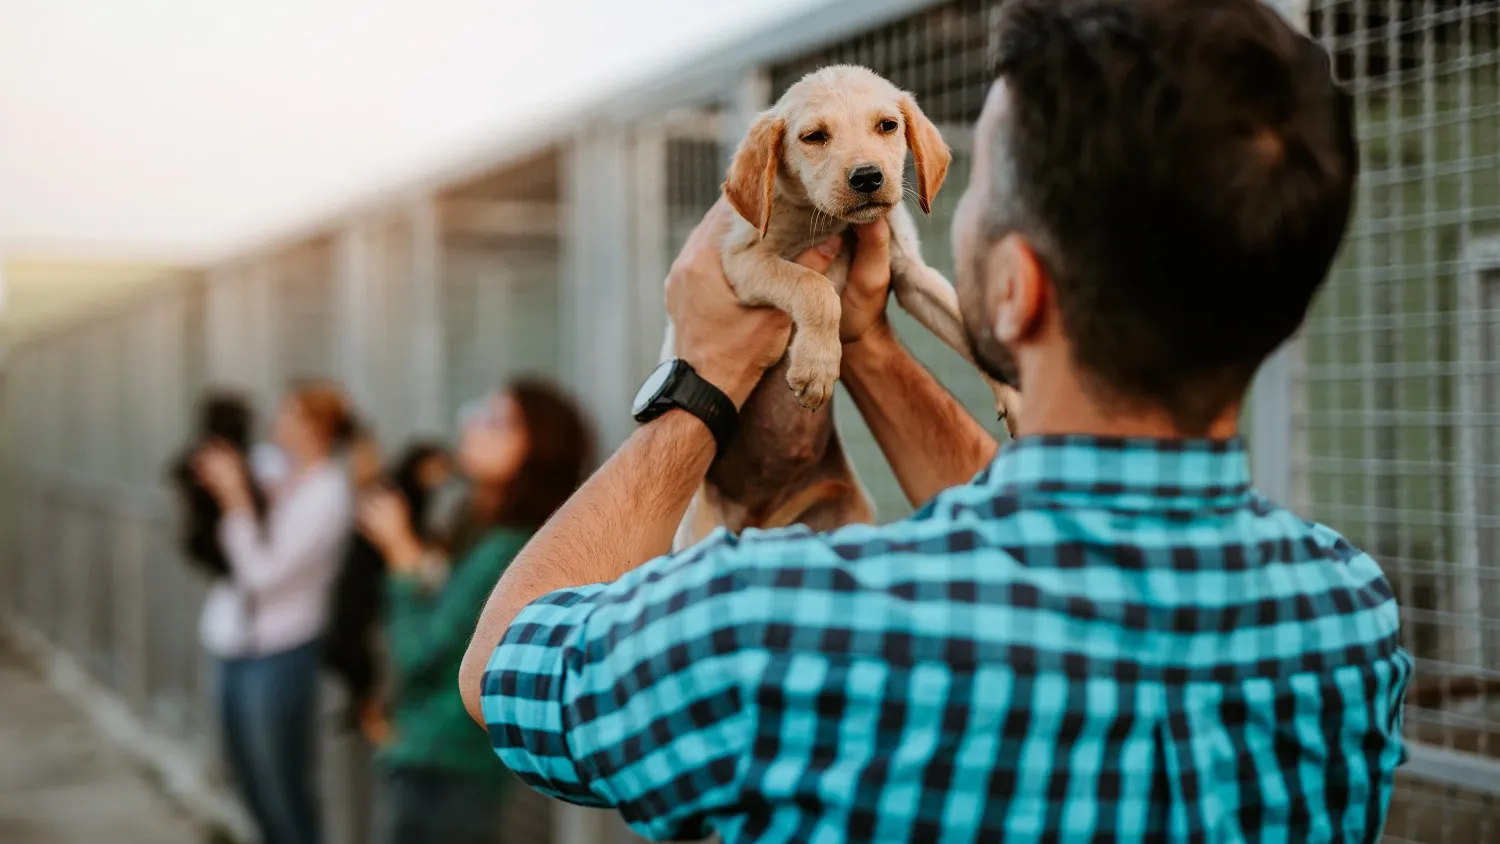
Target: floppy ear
752,175
928,150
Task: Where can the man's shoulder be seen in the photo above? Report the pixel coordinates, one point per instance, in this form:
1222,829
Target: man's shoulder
1312,539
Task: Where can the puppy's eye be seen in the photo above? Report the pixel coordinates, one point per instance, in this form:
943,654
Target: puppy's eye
889,126
815,137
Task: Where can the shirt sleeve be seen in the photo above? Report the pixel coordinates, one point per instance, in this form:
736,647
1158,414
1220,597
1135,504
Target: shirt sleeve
299,545
629,695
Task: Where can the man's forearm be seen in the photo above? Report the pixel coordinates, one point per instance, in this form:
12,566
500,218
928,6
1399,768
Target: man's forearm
623,516
931,441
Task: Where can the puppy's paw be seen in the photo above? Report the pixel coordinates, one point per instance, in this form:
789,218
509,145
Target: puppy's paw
812,374
1008,406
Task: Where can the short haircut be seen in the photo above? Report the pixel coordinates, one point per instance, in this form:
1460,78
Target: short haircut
1184,170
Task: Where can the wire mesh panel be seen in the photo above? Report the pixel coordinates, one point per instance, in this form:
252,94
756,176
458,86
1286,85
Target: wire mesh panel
694,170
942,55
500,315
1398,434
387,360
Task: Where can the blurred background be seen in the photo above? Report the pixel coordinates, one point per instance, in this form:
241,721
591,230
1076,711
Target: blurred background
420,200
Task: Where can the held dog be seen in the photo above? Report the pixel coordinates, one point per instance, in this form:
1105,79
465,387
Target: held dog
831,153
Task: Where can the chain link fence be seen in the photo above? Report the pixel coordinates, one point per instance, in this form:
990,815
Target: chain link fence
1383,418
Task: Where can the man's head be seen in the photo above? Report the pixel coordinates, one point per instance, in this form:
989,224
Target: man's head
1159,188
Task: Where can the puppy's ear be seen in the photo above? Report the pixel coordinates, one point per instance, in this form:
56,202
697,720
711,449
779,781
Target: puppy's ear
752,175
928,150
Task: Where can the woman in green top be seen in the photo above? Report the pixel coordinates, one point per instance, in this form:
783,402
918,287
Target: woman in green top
524,451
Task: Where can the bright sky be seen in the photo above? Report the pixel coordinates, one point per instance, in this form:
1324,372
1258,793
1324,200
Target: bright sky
187,129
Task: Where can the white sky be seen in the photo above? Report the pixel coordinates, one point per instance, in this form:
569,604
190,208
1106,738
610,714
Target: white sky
187,129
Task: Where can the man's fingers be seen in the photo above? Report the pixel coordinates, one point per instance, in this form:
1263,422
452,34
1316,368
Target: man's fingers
872,255
819,258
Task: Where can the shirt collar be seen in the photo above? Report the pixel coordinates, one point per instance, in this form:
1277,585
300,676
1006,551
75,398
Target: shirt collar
1125,473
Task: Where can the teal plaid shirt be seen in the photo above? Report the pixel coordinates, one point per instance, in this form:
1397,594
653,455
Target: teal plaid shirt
1095,640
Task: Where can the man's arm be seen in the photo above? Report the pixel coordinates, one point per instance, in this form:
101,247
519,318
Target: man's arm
931,441
622,517
628,512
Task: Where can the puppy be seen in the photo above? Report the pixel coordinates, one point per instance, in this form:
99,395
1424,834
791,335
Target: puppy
223,418
831,153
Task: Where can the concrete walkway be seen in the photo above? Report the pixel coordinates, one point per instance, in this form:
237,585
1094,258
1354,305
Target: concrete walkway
61,784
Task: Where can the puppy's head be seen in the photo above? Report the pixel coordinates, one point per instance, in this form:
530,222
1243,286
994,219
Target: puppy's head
839,137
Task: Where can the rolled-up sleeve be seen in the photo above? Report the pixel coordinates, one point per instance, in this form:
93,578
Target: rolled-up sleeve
523,697
630,695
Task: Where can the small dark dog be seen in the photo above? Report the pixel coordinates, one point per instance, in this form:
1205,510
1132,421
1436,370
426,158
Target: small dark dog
223,418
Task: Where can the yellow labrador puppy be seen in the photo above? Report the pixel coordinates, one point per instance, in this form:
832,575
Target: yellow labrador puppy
829,154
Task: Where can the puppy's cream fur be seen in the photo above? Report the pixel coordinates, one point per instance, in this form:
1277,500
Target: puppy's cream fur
790,184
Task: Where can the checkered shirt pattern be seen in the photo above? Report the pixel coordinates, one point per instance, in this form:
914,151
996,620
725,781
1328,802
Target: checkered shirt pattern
1095,640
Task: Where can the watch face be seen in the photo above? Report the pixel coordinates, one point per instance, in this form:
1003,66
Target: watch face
656,382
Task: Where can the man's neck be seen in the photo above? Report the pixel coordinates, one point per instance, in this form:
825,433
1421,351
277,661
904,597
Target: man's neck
1061,404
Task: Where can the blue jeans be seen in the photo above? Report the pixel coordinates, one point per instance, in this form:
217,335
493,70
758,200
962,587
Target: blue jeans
269,710
428,806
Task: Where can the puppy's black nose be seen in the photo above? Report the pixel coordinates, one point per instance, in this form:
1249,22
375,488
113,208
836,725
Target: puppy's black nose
866,178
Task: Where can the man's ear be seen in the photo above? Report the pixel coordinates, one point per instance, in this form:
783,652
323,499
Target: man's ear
1020,289
928,150
752,175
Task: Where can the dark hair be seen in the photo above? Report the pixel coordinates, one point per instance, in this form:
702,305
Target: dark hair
559,452
1184,170
225,416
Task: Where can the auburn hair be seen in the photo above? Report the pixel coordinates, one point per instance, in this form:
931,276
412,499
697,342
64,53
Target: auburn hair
327,408
559,454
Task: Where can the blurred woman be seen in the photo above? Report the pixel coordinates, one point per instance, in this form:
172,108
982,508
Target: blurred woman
524,451
223,419
264,620
349,648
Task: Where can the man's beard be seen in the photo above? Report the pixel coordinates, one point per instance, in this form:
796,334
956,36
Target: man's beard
990,355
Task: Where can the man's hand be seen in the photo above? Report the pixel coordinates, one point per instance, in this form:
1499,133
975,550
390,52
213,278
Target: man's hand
869,286
729,343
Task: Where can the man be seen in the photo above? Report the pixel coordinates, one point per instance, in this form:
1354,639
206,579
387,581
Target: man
1104,635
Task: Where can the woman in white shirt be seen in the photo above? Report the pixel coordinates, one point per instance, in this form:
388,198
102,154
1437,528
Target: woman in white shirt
264,619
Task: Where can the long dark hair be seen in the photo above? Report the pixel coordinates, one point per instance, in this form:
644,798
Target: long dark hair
559,453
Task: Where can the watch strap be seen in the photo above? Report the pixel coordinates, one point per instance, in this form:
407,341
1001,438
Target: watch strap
707,402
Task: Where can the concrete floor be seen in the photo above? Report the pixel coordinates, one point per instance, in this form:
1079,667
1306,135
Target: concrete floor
60,784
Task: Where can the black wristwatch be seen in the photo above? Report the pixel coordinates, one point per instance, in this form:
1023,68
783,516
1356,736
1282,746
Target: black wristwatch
675,384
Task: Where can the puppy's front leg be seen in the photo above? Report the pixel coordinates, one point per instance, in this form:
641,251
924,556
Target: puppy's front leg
761,277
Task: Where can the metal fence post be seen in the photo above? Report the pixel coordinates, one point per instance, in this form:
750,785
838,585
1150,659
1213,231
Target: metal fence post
597,275
352,271
649,200
427,314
